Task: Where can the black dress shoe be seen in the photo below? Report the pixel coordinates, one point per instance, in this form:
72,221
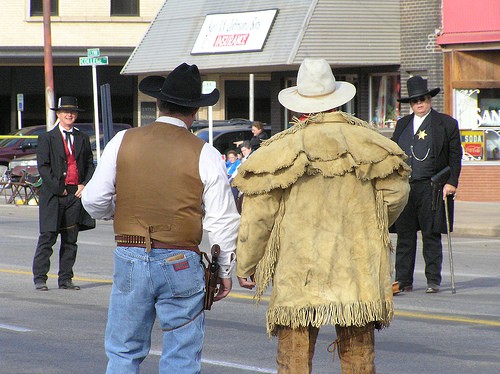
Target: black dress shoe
42,286
69,285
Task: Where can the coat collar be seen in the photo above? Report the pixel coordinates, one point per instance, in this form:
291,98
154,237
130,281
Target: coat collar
58,141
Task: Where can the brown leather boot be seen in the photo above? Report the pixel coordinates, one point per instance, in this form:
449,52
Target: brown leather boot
356,349
296,349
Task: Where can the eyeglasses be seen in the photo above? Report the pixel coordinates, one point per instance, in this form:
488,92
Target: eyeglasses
418,99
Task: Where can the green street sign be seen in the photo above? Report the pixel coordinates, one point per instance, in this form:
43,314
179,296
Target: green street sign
88,61
93,52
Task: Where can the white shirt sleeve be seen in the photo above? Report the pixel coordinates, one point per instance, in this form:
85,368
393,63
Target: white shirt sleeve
98,196
221,218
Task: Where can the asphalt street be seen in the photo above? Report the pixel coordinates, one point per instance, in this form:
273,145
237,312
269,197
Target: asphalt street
61,331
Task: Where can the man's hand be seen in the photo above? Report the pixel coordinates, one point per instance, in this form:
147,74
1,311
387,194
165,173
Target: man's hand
448,189
246,283
78,192
225,285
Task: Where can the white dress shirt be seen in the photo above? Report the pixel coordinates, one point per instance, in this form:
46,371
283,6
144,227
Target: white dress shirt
220,219
417,122
72,138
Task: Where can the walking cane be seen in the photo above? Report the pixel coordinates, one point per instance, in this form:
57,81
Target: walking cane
452,273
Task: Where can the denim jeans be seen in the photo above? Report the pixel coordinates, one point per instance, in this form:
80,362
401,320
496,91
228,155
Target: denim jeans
146,285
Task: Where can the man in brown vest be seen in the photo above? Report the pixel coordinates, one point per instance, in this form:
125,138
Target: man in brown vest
163,186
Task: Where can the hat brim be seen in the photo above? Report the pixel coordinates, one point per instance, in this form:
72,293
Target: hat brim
152,85
69,108
432,93
291,99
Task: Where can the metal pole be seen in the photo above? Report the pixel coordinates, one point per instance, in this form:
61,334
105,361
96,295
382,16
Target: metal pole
96,113
452,272
19,120
210,126
251,97
50,115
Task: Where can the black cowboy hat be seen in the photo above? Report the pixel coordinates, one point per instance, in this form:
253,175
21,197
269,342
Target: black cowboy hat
69,103
182,87
417,87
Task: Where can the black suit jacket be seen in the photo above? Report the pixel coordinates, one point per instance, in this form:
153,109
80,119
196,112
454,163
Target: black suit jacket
52,166
447,149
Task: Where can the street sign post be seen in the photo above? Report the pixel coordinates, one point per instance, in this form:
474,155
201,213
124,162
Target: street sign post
20,109
206,88
93,59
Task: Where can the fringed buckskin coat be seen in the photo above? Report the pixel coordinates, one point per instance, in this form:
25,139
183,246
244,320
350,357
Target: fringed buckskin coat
319,198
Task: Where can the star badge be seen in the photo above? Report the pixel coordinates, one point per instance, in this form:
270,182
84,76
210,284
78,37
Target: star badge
421,134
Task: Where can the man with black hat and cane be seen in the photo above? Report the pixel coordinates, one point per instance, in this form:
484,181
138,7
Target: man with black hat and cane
163,186
432,142
66,164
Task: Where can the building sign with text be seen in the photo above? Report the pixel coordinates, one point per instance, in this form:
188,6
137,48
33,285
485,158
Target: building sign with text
234,32
472,144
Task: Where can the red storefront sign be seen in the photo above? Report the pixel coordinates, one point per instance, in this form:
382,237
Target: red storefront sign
470,21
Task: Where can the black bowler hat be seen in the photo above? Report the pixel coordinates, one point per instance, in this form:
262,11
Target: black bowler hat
69,103
417,87
182,87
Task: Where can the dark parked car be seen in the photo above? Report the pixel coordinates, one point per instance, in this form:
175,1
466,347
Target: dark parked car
18,147
226,136
202,124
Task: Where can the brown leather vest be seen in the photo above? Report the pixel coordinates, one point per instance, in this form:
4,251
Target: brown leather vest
158,186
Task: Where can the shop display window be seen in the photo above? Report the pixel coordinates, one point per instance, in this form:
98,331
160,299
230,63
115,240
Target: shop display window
384,108
478,111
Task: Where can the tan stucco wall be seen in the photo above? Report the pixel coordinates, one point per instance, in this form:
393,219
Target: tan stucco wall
79,23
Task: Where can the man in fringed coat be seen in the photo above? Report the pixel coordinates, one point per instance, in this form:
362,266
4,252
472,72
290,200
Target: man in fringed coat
319,198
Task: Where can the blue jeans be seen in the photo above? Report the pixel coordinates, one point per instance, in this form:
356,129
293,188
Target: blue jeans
146,285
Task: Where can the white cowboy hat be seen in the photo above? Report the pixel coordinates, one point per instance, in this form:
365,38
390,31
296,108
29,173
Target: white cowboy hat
316,90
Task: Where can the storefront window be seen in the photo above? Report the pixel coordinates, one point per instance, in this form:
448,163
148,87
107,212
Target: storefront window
237,100
478,114
383,106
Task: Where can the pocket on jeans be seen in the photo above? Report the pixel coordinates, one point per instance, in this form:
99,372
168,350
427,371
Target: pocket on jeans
184,276
122,277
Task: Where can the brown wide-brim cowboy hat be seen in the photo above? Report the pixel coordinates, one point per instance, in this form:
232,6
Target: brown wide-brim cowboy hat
68,103
417,87
181,87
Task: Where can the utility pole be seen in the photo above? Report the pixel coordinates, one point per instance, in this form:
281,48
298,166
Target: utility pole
48,67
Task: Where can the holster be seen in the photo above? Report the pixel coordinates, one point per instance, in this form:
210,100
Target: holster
211,268
438,181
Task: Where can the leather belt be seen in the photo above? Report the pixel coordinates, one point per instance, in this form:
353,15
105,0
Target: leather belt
140,241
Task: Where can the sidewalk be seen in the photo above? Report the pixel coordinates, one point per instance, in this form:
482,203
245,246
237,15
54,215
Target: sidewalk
477,219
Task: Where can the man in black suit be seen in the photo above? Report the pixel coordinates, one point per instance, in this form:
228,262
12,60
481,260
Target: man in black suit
65,163
432,142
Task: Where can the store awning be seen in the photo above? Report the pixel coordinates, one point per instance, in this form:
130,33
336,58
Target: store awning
347,34
470,21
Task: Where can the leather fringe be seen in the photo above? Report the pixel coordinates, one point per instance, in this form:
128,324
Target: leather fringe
355,314
266,266
383,220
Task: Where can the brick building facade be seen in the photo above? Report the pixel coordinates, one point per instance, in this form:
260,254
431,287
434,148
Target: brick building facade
420,55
